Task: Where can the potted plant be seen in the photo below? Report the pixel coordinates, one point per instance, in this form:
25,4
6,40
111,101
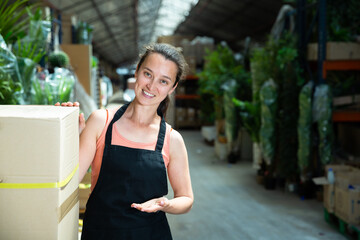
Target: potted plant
220,69
250,119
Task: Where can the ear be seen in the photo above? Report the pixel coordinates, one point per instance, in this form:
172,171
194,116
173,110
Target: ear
173,89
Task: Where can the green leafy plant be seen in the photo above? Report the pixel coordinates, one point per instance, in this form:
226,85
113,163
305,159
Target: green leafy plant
343,20
10,79
28,50
278,60
52,88
8,89
220,67
14,19
250,117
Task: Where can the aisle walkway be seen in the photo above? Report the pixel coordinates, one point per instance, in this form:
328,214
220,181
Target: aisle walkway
230,205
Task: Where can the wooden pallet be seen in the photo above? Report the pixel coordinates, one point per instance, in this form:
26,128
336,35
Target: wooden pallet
348,230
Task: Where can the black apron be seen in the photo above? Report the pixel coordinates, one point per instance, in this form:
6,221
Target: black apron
127,175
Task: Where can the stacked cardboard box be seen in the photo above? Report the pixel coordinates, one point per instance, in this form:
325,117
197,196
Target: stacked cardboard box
329,189
343,197
66,27
174,40
80,59
39,172
336,51
347,196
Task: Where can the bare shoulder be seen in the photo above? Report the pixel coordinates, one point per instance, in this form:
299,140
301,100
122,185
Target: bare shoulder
96,122
175,137
177,144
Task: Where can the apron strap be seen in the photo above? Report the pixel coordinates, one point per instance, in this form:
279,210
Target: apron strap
161,135
117,116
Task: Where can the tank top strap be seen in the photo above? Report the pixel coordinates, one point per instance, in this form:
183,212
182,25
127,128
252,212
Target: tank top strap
116,117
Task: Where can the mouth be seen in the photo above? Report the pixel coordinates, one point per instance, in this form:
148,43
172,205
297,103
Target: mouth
148,94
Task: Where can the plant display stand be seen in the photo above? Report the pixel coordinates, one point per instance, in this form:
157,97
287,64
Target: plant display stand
187,104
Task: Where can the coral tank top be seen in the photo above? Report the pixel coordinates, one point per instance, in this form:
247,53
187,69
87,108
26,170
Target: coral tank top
117,139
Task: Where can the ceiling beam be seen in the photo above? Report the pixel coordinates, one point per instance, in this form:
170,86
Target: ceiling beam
135,20
113,12
106,25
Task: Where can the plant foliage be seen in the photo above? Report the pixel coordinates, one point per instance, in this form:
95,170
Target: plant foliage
14,19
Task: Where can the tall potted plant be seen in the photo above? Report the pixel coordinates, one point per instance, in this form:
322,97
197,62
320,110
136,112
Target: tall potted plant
221,68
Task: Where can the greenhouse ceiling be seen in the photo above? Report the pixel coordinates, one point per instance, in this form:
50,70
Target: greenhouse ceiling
121,28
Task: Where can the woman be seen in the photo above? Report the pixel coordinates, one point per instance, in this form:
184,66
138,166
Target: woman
130,150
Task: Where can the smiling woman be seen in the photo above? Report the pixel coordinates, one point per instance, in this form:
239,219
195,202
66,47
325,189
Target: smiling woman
163,63
132,151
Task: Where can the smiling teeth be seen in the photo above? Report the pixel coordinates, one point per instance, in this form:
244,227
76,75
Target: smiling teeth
148,94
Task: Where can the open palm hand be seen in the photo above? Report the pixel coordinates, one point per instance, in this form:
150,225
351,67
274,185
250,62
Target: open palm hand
153,205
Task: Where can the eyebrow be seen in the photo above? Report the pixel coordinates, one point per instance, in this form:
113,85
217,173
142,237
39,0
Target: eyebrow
162,75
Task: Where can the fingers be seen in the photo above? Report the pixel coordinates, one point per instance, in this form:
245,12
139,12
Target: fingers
68,104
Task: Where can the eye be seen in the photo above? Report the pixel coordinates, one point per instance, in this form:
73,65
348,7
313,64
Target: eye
147,74
164,82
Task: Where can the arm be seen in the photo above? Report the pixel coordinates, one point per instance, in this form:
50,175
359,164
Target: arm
88,137
179,176
89,134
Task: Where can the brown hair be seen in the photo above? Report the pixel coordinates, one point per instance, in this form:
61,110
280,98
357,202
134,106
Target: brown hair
170,53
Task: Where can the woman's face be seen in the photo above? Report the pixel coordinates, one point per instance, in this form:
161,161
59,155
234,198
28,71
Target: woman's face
155,79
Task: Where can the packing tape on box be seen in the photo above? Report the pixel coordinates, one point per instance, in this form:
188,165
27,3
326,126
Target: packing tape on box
67,205
41,185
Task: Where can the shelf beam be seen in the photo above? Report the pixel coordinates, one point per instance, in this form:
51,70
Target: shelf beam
346,116
341,65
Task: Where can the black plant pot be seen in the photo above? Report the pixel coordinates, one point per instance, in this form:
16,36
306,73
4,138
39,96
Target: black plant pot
270,183
307,190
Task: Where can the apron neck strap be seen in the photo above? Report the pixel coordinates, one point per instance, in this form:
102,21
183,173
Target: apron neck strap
161,135
117,116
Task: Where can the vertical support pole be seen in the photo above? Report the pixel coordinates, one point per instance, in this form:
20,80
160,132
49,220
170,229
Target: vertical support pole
60,28
301,22
321,40
52,33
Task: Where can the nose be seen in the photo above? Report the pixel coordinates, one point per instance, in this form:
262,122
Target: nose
150,84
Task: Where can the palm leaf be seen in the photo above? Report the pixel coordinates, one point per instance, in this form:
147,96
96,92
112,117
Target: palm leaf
13,19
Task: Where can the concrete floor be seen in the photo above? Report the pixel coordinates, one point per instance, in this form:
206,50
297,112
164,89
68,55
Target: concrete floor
230,205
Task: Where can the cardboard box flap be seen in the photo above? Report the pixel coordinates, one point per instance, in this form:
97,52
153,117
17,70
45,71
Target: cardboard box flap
35,112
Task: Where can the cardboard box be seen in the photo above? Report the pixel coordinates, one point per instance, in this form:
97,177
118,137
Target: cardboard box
329,190
347,205
39,158
66,27
80,59
336,51
329,198
346,179
347,196
174,40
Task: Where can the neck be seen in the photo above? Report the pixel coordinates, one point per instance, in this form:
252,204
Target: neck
142,115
